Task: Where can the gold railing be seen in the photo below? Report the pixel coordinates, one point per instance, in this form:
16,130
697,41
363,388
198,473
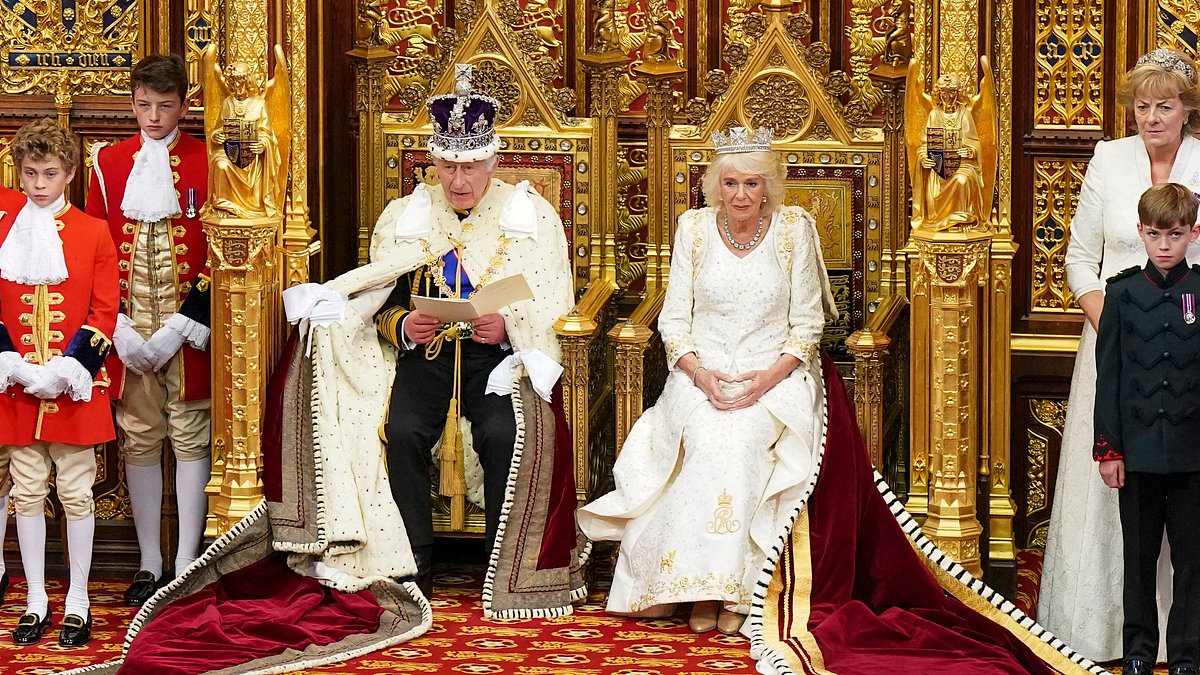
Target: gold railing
869,346
630,339
576,330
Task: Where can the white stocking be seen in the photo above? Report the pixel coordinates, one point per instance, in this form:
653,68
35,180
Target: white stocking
31,534
190,479
3,530
79,549
145,491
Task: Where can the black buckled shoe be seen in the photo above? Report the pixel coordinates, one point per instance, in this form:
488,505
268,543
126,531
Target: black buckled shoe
1182,670
144,585
3,586
29,629
1137,667
75,632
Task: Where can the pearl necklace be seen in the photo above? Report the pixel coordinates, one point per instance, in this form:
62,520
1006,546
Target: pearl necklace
753,240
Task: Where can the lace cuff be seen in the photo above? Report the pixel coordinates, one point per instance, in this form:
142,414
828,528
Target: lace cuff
195,333
79,380
805,351
677,348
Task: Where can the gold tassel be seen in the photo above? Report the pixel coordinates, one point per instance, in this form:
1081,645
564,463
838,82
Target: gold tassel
453,480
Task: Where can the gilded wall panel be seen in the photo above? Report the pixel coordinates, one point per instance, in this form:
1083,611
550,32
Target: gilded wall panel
1056,184
632,206
89,46
640,21
413,29
200,27
1177,25
1043,438
1069,78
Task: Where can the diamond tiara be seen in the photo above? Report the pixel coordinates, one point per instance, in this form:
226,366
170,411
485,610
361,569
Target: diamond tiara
1170,60
741,139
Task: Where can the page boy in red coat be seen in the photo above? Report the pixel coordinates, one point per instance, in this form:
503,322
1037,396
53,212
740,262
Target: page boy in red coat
58,306
10,202
150,188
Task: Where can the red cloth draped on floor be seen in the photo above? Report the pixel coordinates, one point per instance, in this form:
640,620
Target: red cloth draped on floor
257,611
851,594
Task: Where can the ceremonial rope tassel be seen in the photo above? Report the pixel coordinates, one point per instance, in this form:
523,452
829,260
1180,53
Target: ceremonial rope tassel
452,481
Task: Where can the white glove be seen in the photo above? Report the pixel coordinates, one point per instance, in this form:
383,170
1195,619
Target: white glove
193,332
79,380
10,363
130,346
47,384
161,346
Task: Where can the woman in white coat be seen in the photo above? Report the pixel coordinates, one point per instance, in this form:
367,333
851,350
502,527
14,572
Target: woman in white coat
1080,596
708,473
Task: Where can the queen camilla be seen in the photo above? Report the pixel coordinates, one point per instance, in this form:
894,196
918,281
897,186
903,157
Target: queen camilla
707,473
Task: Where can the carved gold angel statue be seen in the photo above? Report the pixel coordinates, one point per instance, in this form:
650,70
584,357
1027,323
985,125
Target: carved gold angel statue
951,151
249,139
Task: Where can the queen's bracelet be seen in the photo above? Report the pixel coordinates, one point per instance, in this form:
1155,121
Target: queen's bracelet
696,373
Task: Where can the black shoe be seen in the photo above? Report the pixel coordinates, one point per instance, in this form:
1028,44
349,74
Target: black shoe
425,583
75,632
1182,670
1137,667
3,586
144,585
29,630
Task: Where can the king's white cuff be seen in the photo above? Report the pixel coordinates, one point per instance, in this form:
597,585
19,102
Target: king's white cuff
542,370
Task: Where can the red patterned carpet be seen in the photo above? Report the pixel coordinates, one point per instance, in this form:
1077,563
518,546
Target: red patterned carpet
589,642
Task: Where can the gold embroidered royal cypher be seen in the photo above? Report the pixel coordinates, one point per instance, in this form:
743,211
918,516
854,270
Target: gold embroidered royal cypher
722,521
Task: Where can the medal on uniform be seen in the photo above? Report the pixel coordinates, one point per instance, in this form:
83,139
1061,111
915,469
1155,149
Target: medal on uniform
190,211
1189,308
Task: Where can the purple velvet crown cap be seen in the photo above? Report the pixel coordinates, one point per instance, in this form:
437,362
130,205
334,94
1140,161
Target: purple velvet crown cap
478,115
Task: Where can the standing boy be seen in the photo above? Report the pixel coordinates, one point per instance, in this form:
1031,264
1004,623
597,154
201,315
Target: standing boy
1147,422
58,305
10,202
150,189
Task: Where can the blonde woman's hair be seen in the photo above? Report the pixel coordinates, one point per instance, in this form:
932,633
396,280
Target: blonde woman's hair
765,164
1154,80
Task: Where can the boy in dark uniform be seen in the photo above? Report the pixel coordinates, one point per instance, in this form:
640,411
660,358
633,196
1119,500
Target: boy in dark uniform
1148,426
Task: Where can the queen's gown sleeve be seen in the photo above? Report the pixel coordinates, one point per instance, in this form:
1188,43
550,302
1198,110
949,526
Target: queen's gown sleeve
800,250
675,319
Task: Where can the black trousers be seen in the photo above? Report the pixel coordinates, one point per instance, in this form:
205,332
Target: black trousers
416,417
1150,502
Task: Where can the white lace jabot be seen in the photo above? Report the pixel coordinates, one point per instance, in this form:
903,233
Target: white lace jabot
150,192
32,253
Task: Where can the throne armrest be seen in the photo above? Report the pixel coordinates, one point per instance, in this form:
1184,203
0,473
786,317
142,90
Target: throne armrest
869,347
576,330
631,339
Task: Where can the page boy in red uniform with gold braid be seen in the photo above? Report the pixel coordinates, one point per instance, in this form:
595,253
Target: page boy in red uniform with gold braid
150,189
58,305
10,202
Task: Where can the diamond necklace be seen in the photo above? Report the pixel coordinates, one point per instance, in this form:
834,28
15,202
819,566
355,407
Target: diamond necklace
753,240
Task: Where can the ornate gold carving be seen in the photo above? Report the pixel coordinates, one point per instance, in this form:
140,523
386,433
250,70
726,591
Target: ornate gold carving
632,205
951,152
958,40
575,334
249,133
869,349
1056,183
94,42
246,37
245,277
780,102
297,228
370,69
200,29
412,30
1069,66
1035,479
1175,19
660,77
1003,28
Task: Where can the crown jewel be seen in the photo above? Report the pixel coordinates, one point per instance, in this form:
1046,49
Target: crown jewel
464,123
741,139
1169,59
